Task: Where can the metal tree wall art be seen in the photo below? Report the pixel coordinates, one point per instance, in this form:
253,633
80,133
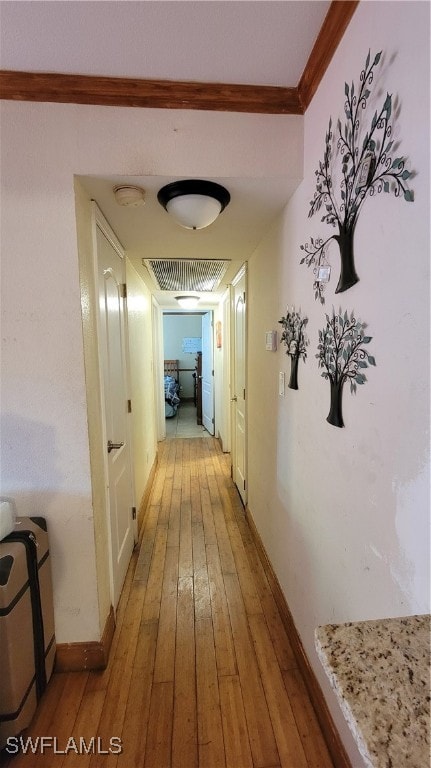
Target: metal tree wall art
364,147
342,357
296,341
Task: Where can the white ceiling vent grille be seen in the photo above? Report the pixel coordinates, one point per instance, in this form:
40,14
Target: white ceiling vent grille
186,274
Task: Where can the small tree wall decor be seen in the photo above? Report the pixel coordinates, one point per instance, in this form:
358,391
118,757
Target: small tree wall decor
296,341
342,357
365,151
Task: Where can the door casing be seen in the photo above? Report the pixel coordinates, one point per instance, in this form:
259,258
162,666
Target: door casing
208,372
101,224
238,386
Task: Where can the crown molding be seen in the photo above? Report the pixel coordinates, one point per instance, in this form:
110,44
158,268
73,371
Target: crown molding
170,94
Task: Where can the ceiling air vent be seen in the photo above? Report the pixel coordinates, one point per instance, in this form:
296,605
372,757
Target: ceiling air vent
186,274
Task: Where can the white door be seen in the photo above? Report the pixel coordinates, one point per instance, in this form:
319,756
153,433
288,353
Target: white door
207,373
238,388
113,358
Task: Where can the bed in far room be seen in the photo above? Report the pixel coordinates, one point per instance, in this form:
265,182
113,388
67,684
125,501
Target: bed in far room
172,388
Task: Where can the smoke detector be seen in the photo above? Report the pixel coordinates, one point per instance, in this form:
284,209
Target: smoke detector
128,195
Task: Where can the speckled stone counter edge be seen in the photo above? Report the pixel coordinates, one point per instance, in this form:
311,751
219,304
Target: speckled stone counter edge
334,639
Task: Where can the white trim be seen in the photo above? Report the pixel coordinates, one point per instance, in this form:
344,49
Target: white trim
158,362
105,227
99,222
242,273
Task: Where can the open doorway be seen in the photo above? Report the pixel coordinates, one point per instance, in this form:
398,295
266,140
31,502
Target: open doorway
188,373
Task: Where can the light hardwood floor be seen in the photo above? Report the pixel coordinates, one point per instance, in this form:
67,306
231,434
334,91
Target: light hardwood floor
201,673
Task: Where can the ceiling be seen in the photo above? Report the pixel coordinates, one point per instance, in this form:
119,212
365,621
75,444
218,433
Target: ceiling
224,41
258,42
148,232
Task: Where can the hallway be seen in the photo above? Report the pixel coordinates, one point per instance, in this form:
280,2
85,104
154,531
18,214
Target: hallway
201,673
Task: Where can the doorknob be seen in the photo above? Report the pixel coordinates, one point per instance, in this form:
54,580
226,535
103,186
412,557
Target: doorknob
112,446
234,399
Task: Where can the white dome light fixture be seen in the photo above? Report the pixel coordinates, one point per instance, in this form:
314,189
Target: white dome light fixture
130,196
193,203
188,302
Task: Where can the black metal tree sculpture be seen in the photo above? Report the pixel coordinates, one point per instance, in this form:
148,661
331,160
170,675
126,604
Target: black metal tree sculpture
296,341
367,167
342,357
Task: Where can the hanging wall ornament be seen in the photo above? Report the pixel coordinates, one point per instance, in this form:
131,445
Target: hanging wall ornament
342,357
296,341
362,151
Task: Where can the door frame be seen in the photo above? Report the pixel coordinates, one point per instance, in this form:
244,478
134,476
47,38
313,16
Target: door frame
158,372
99,222
210,314
242,273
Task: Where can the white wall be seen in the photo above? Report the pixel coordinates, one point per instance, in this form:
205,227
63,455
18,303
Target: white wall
344,513
175,329
45,445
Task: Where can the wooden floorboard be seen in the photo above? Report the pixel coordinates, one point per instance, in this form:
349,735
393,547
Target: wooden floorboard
201,673
184,740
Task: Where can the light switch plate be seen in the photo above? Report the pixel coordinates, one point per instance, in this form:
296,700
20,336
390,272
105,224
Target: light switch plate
271,341
281,383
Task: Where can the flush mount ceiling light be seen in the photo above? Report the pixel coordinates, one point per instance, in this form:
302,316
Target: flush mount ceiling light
130,196
194,204
188,302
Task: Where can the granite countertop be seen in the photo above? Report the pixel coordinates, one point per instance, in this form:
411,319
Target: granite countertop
379,671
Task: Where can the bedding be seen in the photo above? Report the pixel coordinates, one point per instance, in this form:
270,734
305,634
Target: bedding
172,399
